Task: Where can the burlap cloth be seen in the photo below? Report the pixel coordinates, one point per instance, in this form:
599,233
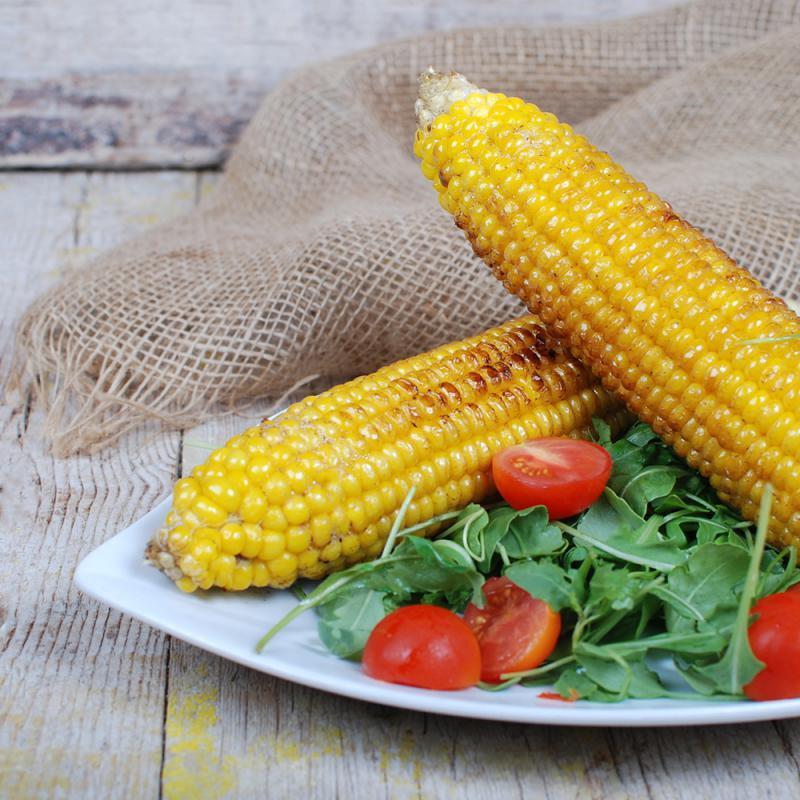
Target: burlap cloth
324,250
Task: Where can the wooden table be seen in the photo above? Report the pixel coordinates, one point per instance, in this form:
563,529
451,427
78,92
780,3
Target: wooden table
95,705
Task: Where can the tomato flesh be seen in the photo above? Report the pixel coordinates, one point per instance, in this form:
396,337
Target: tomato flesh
424,646
775,640
565,475
514,630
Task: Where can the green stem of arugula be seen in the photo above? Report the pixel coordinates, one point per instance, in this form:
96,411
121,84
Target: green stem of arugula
661,566
649,471
398,521
740,637
510,679
793,337
319,596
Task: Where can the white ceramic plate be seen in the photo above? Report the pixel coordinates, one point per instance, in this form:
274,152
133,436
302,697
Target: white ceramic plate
230,625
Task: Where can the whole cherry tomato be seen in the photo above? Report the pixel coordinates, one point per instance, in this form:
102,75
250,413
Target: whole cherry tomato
425,646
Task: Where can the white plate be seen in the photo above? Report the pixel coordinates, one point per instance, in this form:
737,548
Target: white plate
230,625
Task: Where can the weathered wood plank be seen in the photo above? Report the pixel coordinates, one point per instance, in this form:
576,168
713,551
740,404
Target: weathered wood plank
81,687
261,735
171,83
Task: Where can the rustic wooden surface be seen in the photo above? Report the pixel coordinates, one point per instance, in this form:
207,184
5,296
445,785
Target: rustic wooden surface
172,82
95,705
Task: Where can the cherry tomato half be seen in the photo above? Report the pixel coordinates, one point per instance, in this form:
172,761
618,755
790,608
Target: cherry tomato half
566,475
775,640
424,646
515,631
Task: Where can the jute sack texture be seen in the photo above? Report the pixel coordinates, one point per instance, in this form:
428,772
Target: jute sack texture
324,250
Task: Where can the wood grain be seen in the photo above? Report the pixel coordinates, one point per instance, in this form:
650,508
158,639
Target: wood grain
269,735
81,687
168,83
94,705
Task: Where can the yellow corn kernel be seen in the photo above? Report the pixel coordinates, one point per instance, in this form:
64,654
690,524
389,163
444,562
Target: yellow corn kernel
276,489
284,566
260,574
273,543
209,512
298,539
296,511
222,492
650,304
186,491
232,538
307,560
326,483
253,506
242,575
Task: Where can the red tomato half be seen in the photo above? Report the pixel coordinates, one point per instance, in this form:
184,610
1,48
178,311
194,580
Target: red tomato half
775,640
515,631
566,475
424,646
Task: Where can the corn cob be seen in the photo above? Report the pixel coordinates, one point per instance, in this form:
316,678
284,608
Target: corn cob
656,309
319,487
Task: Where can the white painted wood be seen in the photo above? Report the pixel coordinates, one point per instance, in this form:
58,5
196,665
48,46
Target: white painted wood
171,82
81,687
268,735
88,698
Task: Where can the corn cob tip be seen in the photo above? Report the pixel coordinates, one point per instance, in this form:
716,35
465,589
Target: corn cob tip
438,91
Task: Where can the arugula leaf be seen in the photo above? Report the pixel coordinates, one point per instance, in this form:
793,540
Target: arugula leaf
439,571
658,566
613,588
738,666
546,581
706,584
532,535
624,678
346,621
575,683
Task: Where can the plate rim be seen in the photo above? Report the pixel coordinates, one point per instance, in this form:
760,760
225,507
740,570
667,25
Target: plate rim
455,704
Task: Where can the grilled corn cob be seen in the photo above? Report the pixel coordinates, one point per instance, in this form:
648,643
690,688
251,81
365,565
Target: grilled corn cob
657,311
319,487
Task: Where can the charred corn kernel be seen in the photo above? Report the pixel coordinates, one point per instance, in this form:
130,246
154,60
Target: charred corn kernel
652,306
324,486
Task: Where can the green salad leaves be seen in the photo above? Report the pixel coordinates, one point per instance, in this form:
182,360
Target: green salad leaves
655,572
